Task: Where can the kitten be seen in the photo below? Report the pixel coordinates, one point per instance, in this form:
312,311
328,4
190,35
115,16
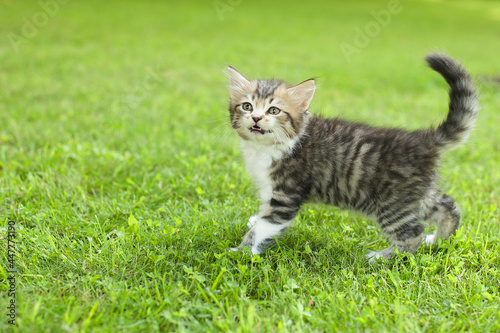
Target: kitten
388,174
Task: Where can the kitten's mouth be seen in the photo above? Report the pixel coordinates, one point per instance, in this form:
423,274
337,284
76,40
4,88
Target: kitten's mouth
257,129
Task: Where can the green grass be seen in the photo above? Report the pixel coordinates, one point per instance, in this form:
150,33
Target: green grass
127,188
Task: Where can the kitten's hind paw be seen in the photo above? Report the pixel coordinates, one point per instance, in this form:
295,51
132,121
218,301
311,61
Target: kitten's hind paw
430,239
251,221
385,254
373,256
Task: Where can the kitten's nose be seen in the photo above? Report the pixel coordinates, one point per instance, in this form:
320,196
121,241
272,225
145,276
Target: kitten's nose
256,119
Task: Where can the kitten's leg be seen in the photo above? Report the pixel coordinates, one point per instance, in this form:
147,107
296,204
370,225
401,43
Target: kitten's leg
263,234
251,221
273,219
446,215
403,228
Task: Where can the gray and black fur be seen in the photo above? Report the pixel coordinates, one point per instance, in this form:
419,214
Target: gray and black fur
388,174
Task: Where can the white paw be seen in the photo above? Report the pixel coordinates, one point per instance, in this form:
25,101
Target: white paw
251,221
243,251
430,239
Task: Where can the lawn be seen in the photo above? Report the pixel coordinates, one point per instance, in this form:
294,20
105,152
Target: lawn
125,185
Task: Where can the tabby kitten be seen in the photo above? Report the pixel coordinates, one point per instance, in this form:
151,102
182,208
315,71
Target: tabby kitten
388,174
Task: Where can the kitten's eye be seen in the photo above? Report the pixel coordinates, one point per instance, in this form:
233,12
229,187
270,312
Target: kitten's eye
274,111
247,107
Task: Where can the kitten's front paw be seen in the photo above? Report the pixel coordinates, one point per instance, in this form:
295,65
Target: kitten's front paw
251,221
244,250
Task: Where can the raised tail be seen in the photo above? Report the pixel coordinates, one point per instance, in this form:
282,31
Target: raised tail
464,104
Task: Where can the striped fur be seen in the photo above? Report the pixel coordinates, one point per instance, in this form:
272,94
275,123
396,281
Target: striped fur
388,174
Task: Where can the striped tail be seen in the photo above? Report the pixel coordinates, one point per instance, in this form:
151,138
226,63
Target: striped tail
464,104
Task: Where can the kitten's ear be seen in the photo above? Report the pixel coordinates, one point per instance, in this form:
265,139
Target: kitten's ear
239,83
303,93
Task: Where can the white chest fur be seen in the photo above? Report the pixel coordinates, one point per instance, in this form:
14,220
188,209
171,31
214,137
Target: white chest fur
258,159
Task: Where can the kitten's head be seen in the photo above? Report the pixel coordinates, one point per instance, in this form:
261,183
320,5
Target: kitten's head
268,111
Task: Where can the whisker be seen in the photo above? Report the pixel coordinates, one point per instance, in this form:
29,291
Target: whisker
222,133
224,139
218,127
